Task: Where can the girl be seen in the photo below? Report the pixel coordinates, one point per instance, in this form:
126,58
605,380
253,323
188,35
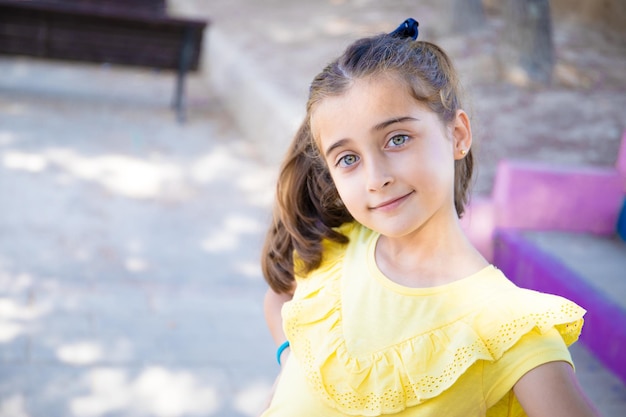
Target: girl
386,306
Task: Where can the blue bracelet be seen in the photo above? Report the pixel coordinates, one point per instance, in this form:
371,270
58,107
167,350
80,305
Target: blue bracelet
281,349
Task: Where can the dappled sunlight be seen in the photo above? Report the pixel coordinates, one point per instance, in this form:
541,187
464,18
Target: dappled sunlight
15,316
135,264
9,330
230,233
251,400
131,177
220,242
105,305
13,406
250,270
214,165
24,161
260,185
14,284
142,178
82,353
86,352
156,391
242,225
6,138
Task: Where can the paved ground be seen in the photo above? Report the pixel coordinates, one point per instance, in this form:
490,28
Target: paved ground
129,277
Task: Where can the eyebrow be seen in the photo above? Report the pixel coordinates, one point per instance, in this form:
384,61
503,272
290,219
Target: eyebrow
337,144
386,123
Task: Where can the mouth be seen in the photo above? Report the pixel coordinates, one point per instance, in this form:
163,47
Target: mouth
392,203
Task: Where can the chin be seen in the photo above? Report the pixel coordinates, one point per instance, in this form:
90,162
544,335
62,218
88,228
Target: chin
398,230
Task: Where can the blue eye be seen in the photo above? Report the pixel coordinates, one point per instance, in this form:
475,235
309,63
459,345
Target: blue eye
347,160
398,140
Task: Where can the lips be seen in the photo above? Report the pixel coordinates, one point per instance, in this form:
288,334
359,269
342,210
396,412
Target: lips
392,203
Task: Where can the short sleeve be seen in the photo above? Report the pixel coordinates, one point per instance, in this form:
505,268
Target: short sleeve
531,350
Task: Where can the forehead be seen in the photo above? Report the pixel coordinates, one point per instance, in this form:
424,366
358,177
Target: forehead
366,102
369,90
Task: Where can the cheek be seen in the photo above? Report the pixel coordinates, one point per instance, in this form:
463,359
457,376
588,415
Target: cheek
430,174
440,159
348,191
340,186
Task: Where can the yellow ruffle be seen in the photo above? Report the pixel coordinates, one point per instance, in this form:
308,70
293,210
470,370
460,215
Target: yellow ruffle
422,367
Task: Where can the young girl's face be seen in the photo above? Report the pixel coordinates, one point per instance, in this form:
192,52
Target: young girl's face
390,157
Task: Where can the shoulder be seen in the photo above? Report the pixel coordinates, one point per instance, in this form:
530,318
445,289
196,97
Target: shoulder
505,312
334,252
354,230
357,235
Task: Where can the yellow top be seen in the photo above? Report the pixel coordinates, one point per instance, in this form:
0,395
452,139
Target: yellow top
362,345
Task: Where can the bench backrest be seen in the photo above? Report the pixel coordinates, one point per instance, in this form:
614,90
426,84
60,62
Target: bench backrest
58,32
146,6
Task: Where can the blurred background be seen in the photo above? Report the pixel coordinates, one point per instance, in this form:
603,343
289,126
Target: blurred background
130,231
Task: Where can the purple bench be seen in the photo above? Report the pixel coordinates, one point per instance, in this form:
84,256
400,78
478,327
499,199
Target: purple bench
540,196
561,230
585,268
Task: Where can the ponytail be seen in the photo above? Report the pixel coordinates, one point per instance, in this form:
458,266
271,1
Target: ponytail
307,209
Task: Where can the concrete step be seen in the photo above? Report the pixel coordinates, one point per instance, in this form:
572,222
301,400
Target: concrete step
587,269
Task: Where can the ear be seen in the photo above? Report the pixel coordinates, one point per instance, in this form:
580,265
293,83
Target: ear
461,134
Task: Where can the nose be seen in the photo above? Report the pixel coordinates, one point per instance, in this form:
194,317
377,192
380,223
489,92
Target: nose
378,174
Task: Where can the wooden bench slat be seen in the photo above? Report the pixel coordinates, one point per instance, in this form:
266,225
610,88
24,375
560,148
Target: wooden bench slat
35,8
153,6
94,34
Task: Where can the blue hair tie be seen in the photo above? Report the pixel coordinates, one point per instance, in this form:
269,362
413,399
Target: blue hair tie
408,29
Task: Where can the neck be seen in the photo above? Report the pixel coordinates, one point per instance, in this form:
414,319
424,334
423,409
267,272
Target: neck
429,257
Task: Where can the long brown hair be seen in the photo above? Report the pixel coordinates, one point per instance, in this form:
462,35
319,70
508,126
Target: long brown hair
308,207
